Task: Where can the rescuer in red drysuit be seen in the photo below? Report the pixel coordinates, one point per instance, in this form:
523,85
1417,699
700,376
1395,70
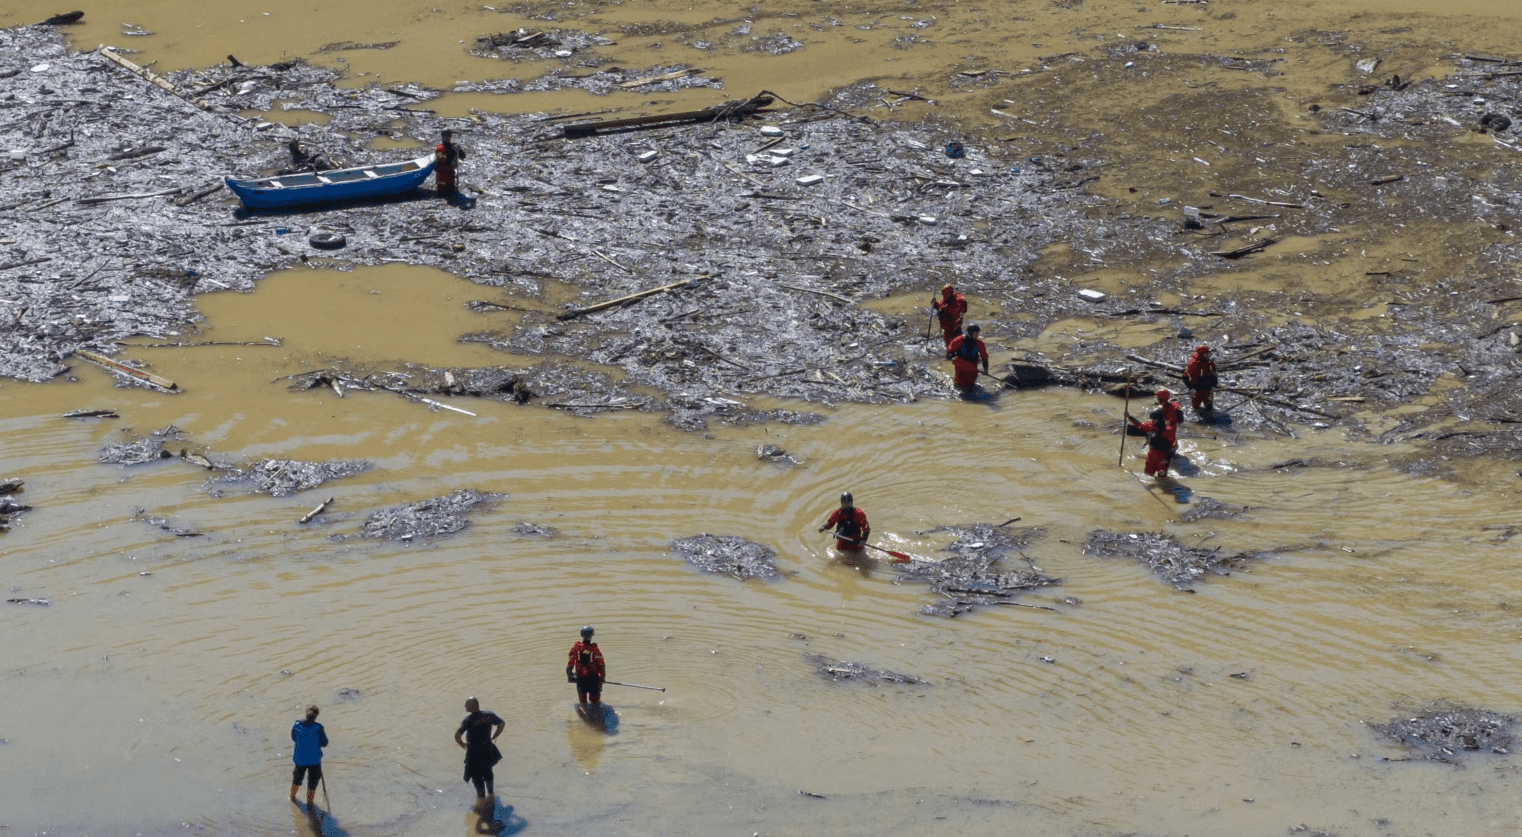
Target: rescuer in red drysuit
1172,412
587,669
950,308
447,154
850,524
1162,441
1200,377
965,352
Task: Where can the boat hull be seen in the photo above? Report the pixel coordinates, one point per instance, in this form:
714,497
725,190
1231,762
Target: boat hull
335,185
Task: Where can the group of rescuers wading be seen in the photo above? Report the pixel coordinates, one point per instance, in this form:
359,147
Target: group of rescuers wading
477,734
967,353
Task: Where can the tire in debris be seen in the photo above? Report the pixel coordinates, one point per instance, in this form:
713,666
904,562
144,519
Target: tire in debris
327,240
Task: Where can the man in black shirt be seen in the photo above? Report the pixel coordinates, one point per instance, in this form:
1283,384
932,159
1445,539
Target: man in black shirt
475,735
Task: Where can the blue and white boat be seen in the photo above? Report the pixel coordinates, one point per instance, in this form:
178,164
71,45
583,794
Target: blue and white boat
335,185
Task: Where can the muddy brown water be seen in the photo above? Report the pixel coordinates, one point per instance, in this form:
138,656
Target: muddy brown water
154,694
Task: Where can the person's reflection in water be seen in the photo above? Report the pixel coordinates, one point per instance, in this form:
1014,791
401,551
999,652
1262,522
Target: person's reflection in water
861,563
587,737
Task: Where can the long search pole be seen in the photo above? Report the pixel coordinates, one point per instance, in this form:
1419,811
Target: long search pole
1121,463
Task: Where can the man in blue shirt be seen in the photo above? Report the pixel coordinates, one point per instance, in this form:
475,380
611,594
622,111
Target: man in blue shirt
310,738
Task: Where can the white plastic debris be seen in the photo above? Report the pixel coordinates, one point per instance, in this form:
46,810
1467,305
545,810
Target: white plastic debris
648,156
770,131
927,220
563,53
777,161
810,179
782,152
1092,295
40,68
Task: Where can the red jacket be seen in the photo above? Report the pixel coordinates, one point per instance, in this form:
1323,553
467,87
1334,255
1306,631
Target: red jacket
590,664
1200,373
856,528
950,311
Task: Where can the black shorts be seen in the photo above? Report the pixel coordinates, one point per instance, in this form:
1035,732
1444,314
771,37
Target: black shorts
590,684
313,773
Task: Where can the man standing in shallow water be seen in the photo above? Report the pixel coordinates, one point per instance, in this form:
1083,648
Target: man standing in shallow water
587,669
310,738
476,736
850,524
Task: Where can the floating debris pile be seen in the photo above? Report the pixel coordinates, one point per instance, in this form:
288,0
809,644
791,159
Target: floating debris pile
142,448
729,555
842,670
1444,733
142,516
1178,564
972,576
8,507
429,518
730,259
543,45
1211,508
283,477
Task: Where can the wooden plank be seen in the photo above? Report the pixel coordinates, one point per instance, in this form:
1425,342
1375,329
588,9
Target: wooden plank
151,77
577,312
663,77
127,370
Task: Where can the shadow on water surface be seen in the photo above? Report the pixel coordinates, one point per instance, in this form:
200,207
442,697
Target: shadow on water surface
501,820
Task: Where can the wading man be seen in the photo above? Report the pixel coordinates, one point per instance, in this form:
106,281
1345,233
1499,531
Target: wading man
1173,414
950,308
1162,441
587,669
310,738
448,155
477,736
965,352
1200,377
850,525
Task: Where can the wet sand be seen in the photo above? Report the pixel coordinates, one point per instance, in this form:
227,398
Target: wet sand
156,690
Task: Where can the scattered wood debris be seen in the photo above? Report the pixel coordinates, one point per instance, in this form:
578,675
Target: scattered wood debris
729,555
284,477
842,671
973,576
1448,733
1179,565
142,449
428,518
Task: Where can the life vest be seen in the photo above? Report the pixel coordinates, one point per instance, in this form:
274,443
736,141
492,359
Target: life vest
1158,440
847,528
968,351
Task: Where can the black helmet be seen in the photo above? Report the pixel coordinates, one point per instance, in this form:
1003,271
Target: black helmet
586,632
974,328
846,500
1157,415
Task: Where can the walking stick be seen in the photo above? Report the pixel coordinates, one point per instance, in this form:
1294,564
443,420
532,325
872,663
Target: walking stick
932,315
325,800
635,686
1121,463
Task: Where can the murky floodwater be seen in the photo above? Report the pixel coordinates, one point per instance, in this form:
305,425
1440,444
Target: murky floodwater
154,694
